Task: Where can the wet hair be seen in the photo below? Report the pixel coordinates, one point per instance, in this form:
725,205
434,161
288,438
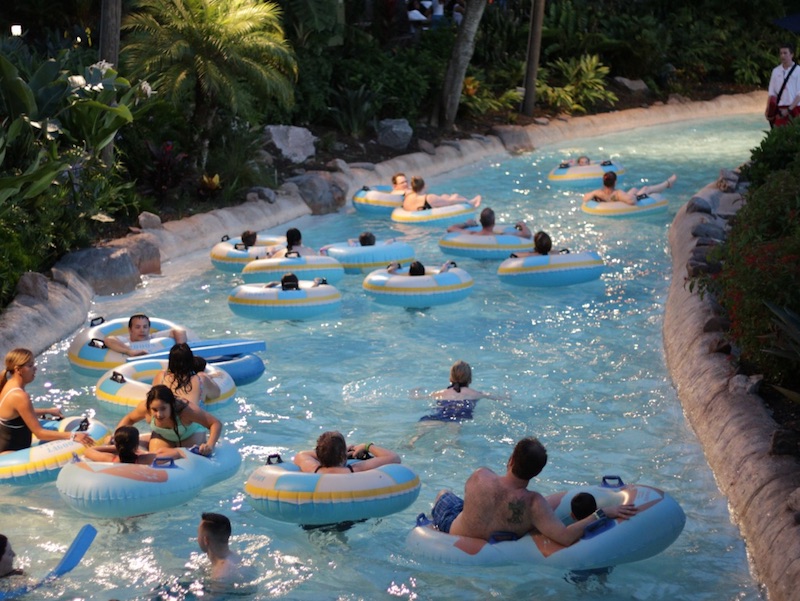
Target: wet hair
199,363
165,395
609,179
366,239
542,243
528,459
461,373
181,365
14,359
217,526
487,217
289,281
126,440
137,316
331,449
417,184
583,505
397,176
416,268
293,238
249,238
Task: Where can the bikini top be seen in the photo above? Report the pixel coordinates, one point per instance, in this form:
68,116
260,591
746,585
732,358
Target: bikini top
350,467
11,422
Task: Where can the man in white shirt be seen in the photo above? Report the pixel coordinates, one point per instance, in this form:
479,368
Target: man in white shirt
784,89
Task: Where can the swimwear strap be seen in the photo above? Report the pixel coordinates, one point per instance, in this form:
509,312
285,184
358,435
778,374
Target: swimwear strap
502,536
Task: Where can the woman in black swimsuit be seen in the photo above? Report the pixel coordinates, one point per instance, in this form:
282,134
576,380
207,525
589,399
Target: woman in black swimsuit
415,200
19,421
332,453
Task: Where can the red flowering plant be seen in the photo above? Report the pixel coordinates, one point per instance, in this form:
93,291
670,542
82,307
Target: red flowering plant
760,266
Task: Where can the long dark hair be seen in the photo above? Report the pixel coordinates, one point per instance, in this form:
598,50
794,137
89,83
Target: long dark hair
165,395
181,366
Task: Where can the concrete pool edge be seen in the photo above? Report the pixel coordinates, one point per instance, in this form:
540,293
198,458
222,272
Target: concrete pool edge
731,423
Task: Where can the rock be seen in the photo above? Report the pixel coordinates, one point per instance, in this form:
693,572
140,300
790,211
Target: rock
261,193
427,147
294,143
634,85
150,221
34,285
394,133
262,157
677,99
708,230
364,166
793,502
339,165
108,270
785,442
706,242
696,268
143,250
452,144
717,324
514,138
720,345
742,384
320,192
541,121
698,205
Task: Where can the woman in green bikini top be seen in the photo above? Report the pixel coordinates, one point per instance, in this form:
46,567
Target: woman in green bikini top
174,422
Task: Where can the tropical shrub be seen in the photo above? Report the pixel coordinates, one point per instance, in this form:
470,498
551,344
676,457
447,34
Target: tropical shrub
575,85
776,152
177,45
759,266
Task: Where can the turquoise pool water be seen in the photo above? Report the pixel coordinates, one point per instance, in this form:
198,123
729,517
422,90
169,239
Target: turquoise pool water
582,368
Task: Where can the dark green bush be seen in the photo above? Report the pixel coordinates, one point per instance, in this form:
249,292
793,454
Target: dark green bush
776,152
760,259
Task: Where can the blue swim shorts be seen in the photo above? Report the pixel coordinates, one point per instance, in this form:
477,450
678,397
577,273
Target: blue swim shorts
446,509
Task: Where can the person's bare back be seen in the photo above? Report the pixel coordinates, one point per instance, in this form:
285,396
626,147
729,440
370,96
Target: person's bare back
494,504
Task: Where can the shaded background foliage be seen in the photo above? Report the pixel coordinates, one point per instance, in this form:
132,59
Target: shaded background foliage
358,61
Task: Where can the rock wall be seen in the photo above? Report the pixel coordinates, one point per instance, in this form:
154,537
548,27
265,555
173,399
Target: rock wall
730,421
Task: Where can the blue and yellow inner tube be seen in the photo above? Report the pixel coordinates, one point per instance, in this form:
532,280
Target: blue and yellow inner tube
284,493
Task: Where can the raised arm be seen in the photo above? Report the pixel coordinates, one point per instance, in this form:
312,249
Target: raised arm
380,456
307,461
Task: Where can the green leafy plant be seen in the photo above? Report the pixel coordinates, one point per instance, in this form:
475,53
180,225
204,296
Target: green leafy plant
776,152
785,342
478,100
354,111
574,85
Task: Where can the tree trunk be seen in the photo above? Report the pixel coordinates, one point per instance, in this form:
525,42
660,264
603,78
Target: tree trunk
534,51
110,19
459,60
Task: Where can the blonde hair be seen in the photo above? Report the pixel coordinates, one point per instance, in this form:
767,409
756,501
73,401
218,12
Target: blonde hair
461,373
15,359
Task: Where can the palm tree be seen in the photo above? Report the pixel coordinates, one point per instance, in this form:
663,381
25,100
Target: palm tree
207,55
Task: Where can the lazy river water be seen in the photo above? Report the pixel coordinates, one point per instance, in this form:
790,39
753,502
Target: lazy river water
582,368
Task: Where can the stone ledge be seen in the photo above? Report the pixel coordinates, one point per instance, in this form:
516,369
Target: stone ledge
734,428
